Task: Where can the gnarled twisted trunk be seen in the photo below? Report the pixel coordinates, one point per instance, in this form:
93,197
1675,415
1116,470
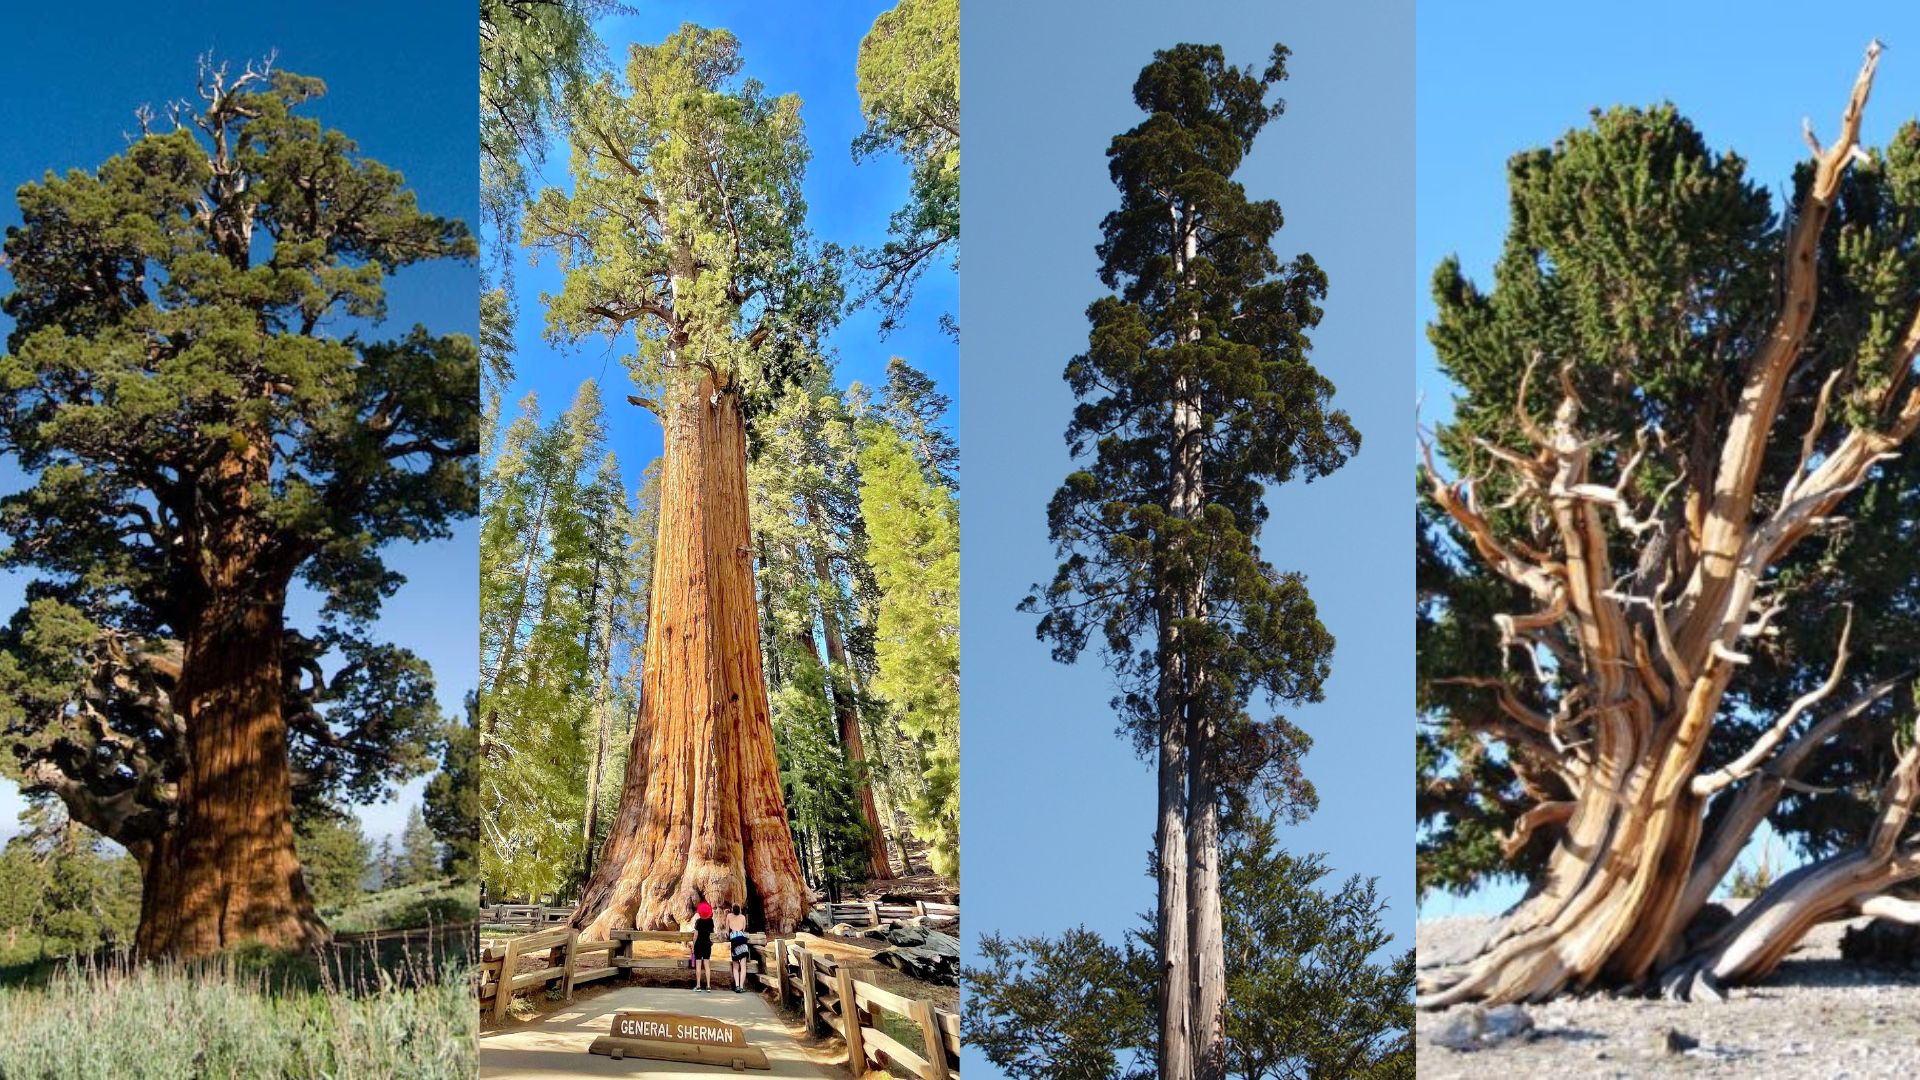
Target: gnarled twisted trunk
1617,767
701,813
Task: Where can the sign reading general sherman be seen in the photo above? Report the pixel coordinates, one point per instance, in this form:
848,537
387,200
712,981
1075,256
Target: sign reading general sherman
677,1027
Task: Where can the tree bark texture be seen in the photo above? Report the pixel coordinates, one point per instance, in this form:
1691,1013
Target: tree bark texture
1618,767
701,812
848,718
228,873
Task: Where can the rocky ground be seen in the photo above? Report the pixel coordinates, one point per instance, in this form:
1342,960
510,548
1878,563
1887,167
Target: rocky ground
1817,1016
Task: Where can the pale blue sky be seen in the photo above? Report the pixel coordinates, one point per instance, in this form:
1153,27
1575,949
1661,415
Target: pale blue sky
1497,78
1057,812
401,81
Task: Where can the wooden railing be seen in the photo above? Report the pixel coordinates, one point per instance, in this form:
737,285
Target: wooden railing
831,999
871,913
524,915
571,962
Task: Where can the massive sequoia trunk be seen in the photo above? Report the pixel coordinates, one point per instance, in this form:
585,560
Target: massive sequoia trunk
1617,769
701,813
228,874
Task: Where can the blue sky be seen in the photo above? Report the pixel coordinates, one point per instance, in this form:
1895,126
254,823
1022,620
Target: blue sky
848,204
402,81
1057,812
1497,78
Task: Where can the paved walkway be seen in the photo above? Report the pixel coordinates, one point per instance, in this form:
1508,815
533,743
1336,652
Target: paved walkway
556,1044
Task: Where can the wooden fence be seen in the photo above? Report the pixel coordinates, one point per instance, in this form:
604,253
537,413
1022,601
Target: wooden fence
831,999
570,962
524,915
871,913
826,993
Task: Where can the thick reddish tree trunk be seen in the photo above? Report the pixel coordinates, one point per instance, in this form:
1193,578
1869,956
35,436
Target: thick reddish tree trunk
228,874
701,813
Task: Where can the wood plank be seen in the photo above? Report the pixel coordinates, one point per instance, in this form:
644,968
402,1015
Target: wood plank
586,975
735,1057
537,978
504,997
543,939
807,1002
883,1048
572,955
869,995
936,1066
850,1031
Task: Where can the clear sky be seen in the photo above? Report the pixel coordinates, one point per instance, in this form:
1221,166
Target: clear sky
1496,78
847,204
1057,812
402,81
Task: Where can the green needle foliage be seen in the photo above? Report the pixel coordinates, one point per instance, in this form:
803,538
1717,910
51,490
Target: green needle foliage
1310,989
179,310
1646,271
909,75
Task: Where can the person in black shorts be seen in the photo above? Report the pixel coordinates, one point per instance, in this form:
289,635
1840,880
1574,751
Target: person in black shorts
703,949
738,950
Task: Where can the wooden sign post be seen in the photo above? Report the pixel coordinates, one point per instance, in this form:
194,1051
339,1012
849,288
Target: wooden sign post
699,1040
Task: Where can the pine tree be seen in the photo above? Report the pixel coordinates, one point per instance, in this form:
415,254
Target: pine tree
335,856
198,438
1642,635
914,528
419,858
452,798
1196,396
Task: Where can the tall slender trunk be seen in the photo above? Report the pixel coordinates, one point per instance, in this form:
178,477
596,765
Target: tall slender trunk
602,692
228,873
851,743
701,813
508,646
1175,995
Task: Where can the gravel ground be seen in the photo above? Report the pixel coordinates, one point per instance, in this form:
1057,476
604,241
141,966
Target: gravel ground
1817,1016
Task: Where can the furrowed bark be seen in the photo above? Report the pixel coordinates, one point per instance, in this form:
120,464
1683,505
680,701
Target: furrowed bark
228,873
701,813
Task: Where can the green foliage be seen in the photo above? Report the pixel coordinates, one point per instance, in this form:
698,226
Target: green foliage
198,433
1311,990
440,902
1643,271
452,798
63,893
419,858
1227,330
561,594
914,527
819,787
335,855
909,72
685,224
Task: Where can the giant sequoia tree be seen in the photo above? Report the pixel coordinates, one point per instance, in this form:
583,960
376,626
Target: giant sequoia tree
1667,570
684,230
1196,392
200,436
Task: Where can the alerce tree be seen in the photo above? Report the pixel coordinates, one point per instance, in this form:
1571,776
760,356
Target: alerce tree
1196,392
198,437
685,229
1647,627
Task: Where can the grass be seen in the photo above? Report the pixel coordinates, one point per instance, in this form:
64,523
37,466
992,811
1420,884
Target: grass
370,1007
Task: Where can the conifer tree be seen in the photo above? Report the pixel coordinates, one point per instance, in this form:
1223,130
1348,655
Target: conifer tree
684,228
1196,395
1643,632
200,436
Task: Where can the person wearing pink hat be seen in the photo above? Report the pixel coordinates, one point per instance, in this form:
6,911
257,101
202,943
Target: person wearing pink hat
703,949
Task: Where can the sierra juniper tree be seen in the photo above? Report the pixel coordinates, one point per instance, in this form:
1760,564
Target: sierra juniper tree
199,436
1196,393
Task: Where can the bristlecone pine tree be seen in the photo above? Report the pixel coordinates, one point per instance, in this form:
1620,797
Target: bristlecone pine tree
198,438
685,228
1648,628
1196,392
